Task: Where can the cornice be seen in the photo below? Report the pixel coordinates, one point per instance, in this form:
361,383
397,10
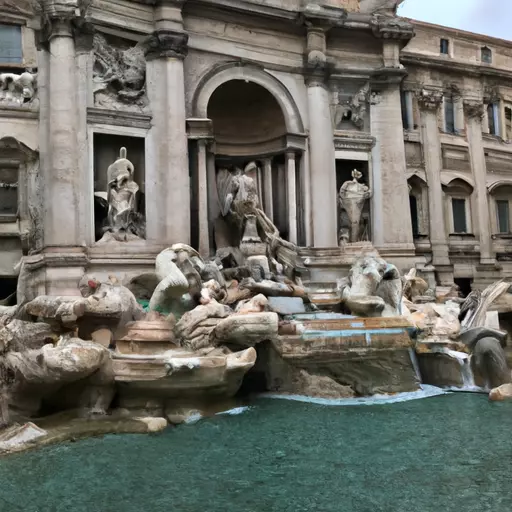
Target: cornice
450,65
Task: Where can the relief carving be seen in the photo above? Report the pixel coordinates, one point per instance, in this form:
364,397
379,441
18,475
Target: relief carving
17,89
119,76
430,99
166,43
353,110
474,109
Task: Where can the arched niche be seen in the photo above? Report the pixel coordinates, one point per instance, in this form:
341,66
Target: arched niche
500,205
418,204
458,198
230,71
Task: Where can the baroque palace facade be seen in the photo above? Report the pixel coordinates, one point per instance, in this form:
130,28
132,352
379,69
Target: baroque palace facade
307,90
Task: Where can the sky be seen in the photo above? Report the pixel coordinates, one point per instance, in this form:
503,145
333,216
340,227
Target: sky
489,17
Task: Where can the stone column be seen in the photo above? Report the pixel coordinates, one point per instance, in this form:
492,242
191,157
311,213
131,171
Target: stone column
167,172
429,102
202,189
63,208
391,217
474,111
213,196
291,189
305,180
268,205
321,138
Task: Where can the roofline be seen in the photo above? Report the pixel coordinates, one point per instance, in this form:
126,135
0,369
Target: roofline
464,33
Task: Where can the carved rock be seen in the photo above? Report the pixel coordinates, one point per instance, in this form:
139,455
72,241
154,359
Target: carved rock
503,392
245,330
62,312
194,328
18,336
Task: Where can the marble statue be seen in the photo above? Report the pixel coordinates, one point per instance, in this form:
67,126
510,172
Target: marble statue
17,89
123,221
373,288
245,226
351,199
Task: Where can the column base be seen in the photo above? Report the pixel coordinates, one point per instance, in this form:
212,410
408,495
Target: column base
444,275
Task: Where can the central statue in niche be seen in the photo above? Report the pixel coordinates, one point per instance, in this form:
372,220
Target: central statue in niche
351,199
124,222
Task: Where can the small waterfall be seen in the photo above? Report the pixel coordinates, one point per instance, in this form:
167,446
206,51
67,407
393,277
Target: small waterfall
468,379
415,365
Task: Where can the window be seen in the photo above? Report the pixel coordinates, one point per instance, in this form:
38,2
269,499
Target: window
445,47
10,44
508,123
449,115
493,118
413,205
407,114
459,215
8,191
486,55
503,215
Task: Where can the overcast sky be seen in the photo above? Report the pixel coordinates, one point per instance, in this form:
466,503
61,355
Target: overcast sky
490,17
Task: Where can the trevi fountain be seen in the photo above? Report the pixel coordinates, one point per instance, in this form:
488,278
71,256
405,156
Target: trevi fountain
245,372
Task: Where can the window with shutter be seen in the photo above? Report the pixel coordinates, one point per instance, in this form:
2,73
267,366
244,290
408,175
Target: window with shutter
11,51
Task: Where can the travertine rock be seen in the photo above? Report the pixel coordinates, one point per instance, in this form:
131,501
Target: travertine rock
257,304
18,335
194,328
60,311
503,392
245,330
319,386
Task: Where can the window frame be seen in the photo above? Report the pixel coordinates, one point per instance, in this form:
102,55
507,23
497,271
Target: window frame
488,51
442,41
8,62
447,99
498,200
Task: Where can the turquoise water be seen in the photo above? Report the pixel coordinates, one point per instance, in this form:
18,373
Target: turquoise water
442,454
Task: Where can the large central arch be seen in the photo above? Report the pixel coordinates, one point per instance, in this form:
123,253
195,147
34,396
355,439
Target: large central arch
227,72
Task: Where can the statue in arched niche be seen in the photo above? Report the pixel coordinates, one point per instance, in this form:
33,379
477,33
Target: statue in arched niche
243,223
124,222
351,199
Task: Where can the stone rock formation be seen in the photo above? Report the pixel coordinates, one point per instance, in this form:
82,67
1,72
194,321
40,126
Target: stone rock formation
373,288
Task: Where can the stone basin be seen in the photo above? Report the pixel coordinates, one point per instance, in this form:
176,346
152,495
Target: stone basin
179,374
146,338
371,355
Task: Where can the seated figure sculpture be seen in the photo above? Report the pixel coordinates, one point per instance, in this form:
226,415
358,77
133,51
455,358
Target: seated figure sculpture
124,223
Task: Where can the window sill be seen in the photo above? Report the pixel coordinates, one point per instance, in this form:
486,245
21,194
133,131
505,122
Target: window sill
502,236
8,218
462,235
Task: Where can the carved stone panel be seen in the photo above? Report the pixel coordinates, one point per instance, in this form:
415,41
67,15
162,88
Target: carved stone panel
119,76
18,89
350,110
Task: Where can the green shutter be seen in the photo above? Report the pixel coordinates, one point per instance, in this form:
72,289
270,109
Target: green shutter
10,44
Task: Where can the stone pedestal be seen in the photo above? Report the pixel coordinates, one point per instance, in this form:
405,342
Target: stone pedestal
391,218
474,111
167,174
429,102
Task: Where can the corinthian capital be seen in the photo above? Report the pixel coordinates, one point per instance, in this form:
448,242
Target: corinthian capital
474,109
429,99
61,9
166,43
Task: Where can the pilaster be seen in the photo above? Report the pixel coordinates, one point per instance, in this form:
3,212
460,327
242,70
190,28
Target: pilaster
474,112
167,179
321,139
429,101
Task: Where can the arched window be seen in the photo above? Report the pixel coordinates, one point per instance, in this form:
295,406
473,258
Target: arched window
418,204
501,196
486,55
458,194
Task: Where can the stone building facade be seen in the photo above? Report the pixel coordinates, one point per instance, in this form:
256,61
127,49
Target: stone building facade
307,90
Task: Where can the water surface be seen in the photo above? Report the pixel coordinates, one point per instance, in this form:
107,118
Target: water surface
441,454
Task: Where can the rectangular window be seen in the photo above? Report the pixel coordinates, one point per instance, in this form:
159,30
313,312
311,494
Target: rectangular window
459,216
405,116
11,50
493,118
445,47
508,123
502,211
486,55
449,115
8,191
